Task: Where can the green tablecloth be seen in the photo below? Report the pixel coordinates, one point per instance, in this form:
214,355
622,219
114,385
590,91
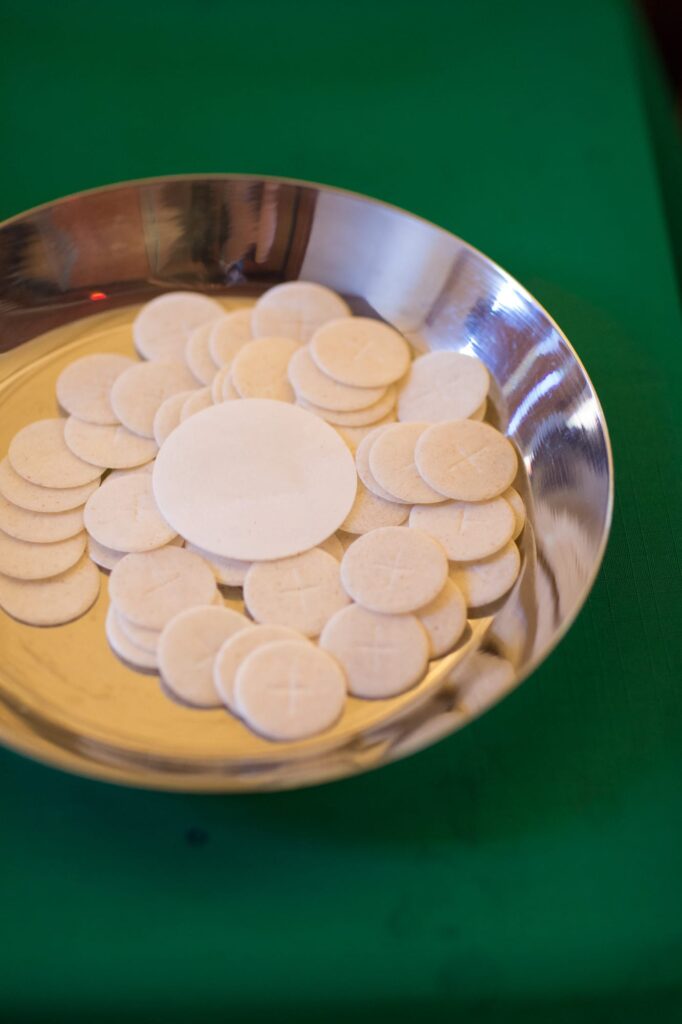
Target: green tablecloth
529,867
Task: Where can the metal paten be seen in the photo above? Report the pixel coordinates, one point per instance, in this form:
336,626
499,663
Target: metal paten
64,698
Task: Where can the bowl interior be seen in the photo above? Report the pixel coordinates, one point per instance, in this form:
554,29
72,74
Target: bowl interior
108,250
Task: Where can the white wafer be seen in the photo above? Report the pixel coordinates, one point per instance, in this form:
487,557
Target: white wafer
116,474
487,580
466,460
370,512
107,558
444,619
360,351
235,650
394,570
295,310
83,388
311,384
39,527
201,399
124,647
363,467
108,447
54,601
40,455
139,392
229,334
123,515
467,530
443,386
289,691
259,370
391,461
35,498
518,508
222,388
254,480
229,572
188,647
26,561
145,639
302,592
370,415
198,352
167,416
382,655
162,326
150,588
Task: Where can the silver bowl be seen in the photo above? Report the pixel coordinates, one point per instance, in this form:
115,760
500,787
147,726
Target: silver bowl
63,698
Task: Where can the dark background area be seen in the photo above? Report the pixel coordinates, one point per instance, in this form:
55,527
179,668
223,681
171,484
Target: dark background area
665,20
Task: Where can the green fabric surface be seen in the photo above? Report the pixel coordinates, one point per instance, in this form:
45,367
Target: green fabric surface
527,868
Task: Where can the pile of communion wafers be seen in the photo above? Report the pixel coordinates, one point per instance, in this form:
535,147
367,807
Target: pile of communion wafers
289,448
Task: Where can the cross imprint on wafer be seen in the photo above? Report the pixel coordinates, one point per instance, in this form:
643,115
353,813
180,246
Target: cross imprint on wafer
293,686
468,458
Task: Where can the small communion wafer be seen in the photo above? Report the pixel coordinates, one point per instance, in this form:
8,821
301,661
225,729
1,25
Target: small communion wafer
391,461
360,351
108,447
311,384
123,646
229,572
235,650
381,655
444,619
301,592
150,588
146,639
198,353
371,414
54,601
139,392
35,498
363,467
466,460
222,388
487,580
123,515
107,558
296,310
254,480
518,508
468,530
443,386
229,334
27,561
167,416
394,570
84,387
289,691
162,326
115,474
39,527
259,370
201,399
187,650
40,455
370,512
